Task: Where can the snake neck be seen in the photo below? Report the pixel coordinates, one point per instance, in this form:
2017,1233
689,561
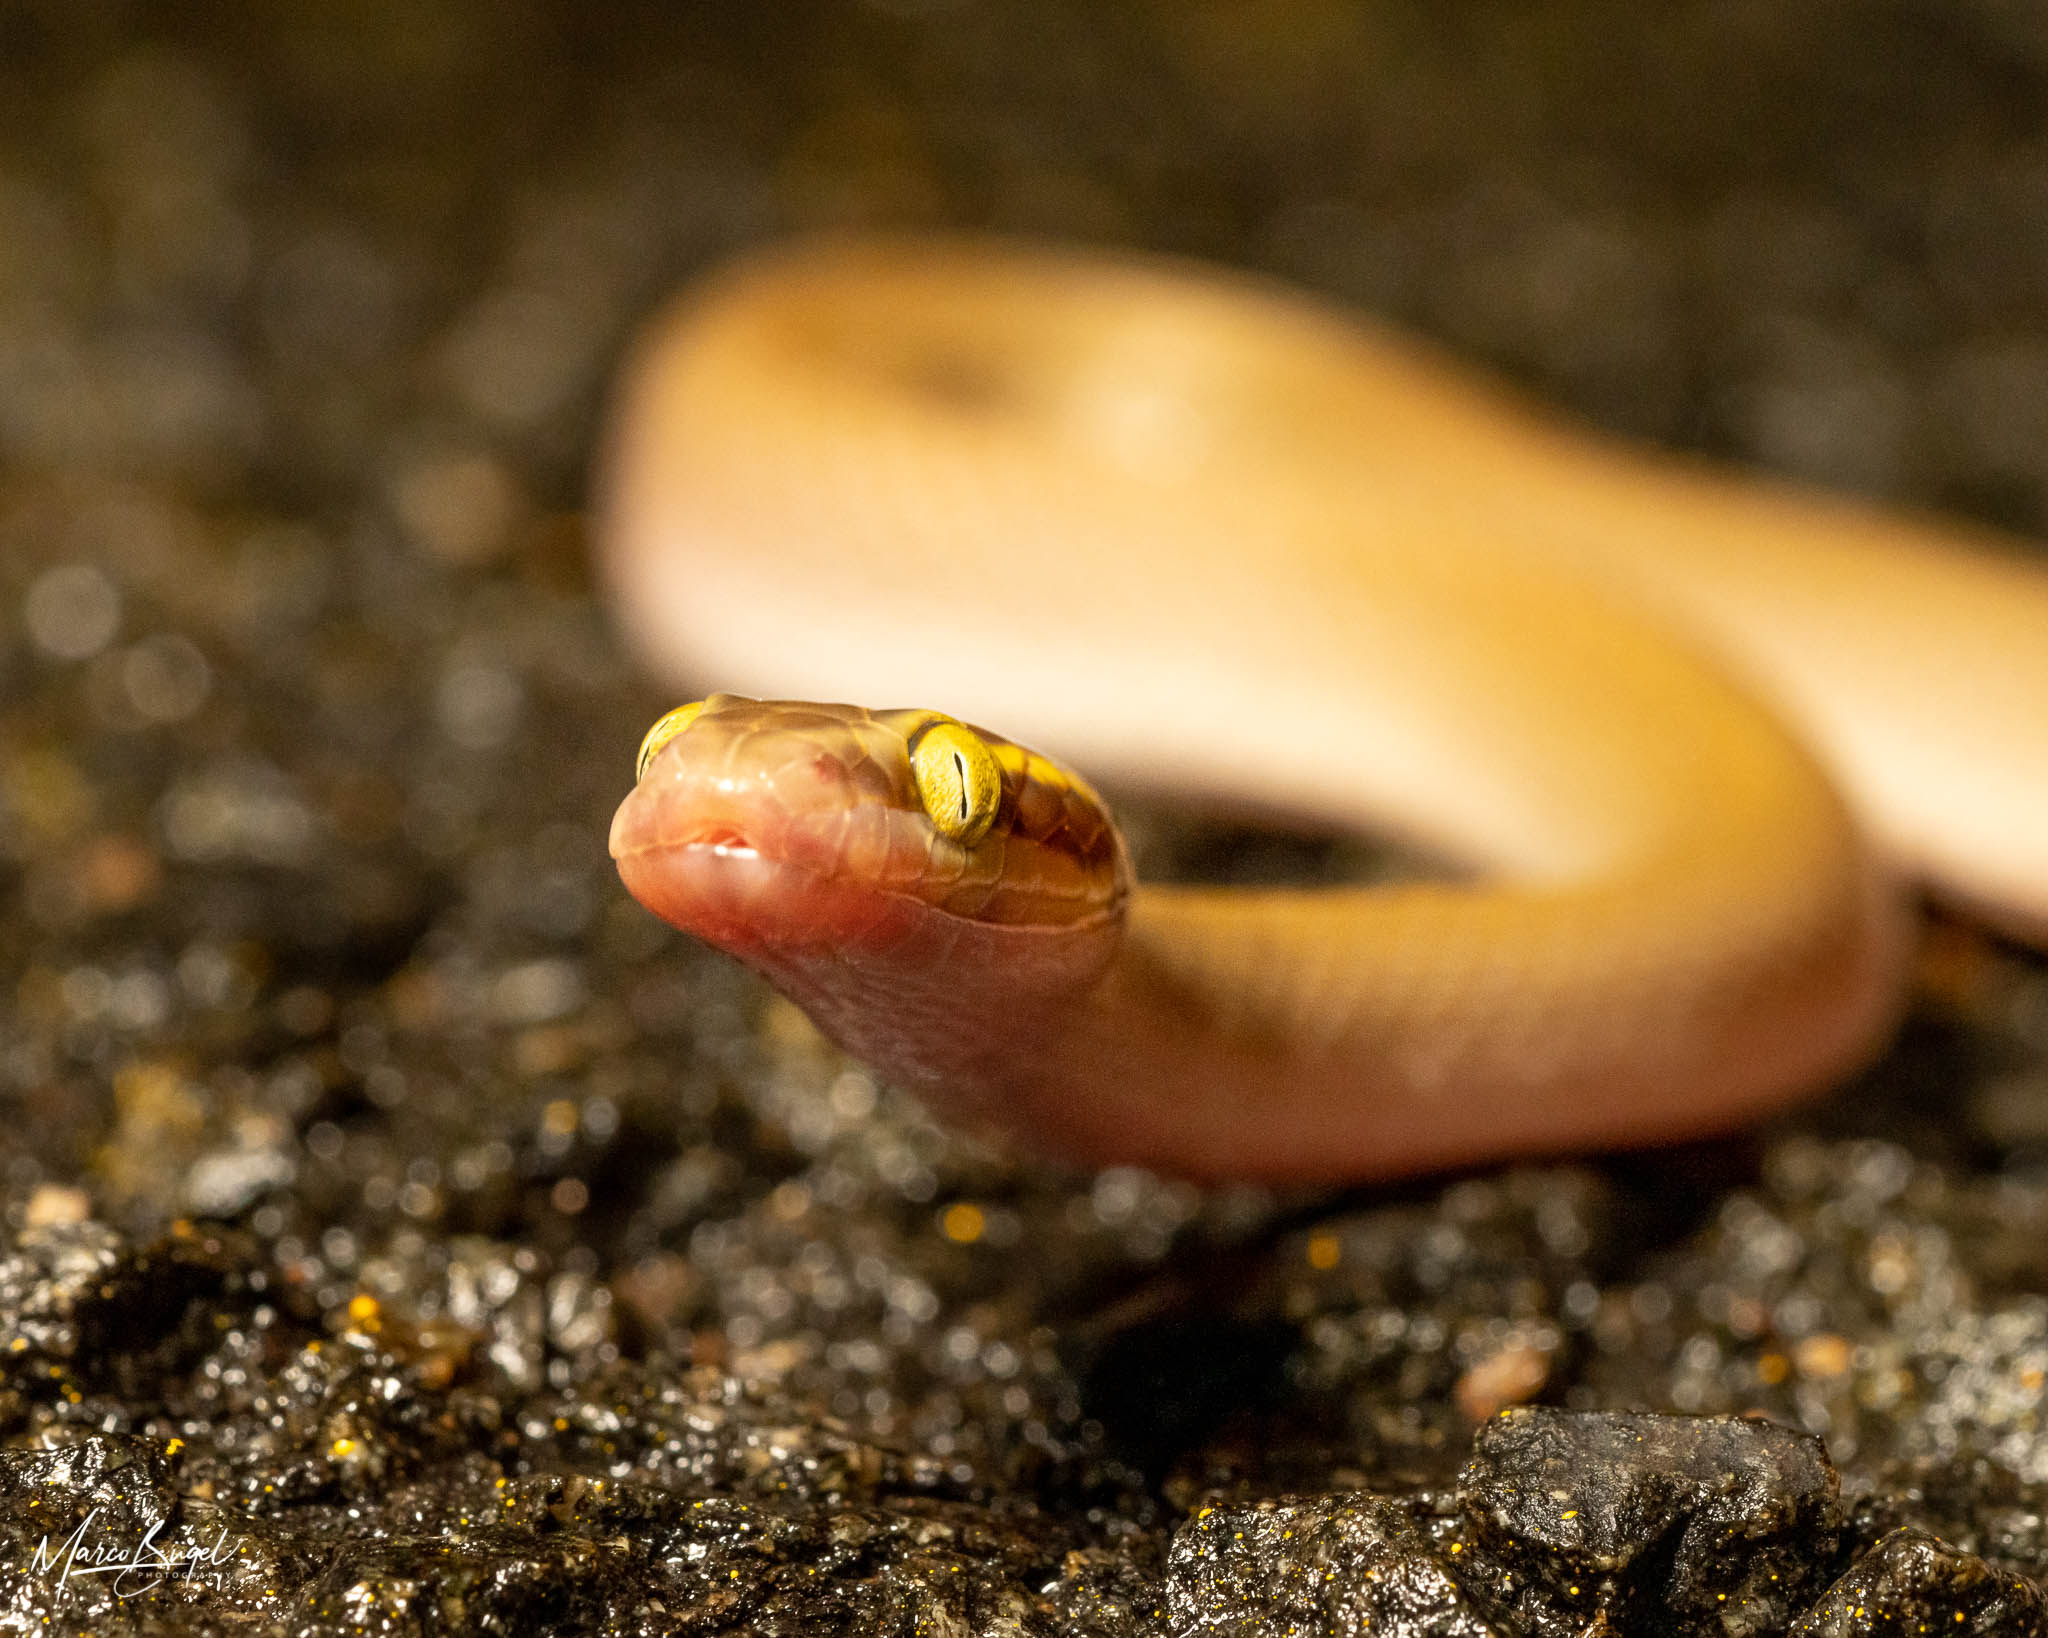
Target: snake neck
972,1013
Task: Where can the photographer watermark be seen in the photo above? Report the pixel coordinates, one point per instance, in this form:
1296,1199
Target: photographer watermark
136,1566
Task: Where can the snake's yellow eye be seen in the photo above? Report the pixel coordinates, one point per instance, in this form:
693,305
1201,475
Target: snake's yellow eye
958,781
665,729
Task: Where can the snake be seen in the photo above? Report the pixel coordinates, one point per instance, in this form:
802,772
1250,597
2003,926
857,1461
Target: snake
1685,741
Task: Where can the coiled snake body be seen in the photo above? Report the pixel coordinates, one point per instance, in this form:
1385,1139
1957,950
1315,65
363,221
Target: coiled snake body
1193,534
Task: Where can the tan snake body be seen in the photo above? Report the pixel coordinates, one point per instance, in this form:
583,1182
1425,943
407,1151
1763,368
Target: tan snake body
1192,534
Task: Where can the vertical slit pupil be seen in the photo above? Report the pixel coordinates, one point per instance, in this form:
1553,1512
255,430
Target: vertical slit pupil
960,773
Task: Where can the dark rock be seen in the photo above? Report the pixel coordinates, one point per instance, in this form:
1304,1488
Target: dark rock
97,1531
1913,1582
81,1303
1578,1517
125,1481
1330,1564
467,1586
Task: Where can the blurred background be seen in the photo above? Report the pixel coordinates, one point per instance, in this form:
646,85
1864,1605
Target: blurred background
311,719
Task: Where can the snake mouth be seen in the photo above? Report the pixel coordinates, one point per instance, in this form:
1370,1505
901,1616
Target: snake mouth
722,840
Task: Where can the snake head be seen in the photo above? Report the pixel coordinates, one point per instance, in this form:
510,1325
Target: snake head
927,891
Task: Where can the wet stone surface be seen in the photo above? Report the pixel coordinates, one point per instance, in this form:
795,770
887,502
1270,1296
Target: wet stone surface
1570,1523
1913,1582
1347,1563
1591,1517
401,1233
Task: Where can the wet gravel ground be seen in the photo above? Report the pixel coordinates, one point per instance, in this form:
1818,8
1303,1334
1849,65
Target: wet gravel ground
402,1233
